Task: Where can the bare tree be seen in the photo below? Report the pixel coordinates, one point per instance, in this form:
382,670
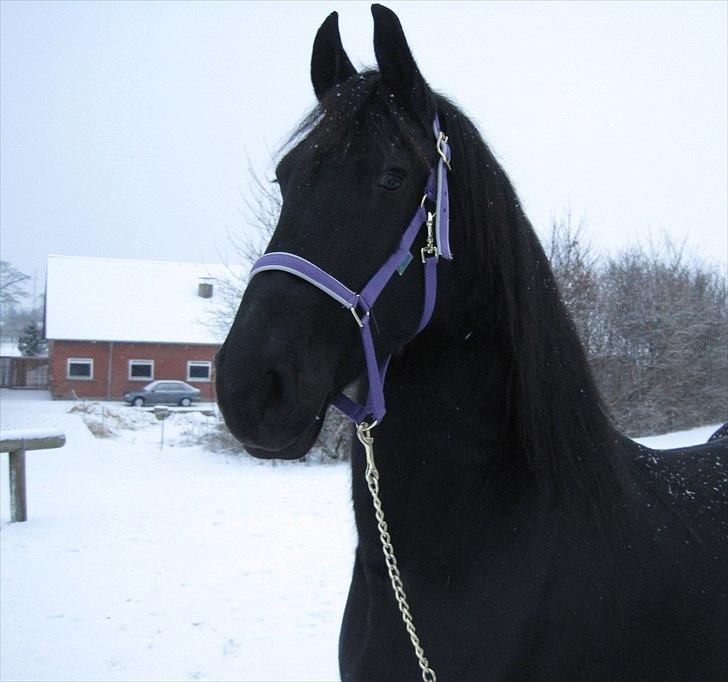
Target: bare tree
13,318
576,268
668,339
11,284
653,321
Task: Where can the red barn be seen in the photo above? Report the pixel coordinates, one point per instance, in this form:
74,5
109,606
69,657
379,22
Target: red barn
114,325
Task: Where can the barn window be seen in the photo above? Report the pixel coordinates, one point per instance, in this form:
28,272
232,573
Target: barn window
80,368
198,370
141,370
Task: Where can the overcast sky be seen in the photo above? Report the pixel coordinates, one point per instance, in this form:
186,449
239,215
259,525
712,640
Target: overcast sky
125,126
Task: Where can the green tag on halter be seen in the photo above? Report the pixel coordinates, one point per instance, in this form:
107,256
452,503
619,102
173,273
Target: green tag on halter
403,265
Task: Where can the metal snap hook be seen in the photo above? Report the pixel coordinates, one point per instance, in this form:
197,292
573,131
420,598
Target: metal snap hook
442,149
429,249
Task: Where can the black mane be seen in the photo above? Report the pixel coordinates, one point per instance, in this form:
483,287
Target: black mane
558,419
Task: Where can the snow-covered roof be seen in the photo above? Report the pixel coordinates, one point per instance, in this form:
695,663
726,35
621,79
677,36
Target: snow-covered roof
112,299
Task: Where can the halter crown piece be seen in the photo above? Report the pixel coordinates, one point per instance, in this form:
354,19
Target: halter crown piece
360,304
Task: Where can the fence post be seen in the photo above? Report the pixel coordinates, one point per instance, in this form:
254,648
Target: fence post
16,443
18,504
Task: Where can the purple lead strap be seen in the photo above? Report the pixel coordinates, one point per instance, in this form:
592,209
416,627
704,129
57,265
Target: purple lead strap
438,243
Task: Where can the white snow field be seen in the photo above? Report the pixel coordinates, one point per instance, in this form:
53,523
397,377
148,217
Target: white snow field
137,564
181,564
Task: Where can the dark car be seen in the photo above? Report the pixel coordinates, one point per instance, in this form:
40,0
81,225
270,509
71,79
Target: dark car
170,392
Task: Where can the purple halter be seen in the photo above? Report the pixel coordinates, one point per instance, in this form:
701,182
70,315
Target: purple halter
438,244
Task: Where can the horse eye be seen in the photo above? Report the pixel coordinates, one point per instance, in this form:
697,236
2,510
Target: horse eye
391,181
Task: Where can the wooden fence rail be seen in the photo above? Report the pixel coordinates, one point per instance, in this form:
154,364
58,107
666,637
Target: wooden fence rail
17,443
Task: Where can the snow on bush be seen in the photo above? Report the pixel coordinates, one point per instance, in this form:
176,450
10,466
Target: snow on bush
104,421
196,429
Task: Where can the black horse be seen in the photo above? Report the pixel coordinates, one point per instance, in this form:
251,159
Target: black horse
535,542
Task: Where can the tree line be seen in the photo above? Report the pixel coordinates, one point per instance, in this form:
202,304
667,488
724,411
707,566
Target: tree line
653,320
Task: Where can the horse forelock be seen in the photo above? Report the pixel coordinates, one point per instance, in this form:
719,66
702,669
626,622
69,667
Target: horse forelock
360,108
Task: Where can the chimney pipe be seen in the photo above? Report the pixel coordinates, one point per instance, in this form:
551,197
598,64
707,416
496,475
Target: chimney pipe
204,287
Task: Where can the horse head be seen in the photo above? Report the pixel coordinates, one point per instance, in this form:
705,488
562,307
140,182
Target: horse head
350,181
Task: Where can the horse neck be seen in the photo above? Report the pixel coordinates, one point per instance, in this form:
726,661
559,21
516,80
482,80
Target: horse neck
449,399
443,446
469,430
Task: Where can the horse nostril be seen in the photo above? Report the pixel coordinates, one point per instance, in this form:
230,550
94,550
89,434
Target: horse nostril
276,397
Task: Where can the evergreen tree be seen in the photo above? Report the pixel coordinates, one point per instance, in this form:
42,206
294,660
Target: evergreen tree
31,341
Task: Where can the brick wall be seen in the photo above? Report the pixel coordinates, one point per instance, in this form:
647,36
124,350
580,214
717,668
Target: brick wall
170,362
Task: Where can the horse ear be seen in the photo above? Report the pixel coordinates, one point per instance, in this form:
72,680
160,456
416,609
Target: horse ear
397,65
329,63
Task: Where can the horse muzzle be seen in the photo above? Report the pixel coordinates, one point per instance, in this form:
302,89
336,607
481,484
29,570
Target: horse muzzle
268,405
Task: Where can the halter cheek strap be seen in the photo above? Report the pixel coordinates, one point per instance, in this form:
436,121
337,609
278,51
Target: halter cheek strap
360,304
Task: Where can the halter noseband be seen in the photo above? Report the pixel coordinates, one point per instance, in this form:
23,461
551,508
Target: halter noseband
438,244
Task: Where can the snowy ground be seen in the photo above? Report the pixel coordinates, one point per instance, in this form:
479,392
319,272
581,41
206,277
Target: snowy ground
141,564
137,564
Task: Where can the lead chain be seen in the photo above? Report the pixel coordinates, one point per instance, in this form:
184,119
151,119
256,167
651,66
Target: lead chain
363,432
